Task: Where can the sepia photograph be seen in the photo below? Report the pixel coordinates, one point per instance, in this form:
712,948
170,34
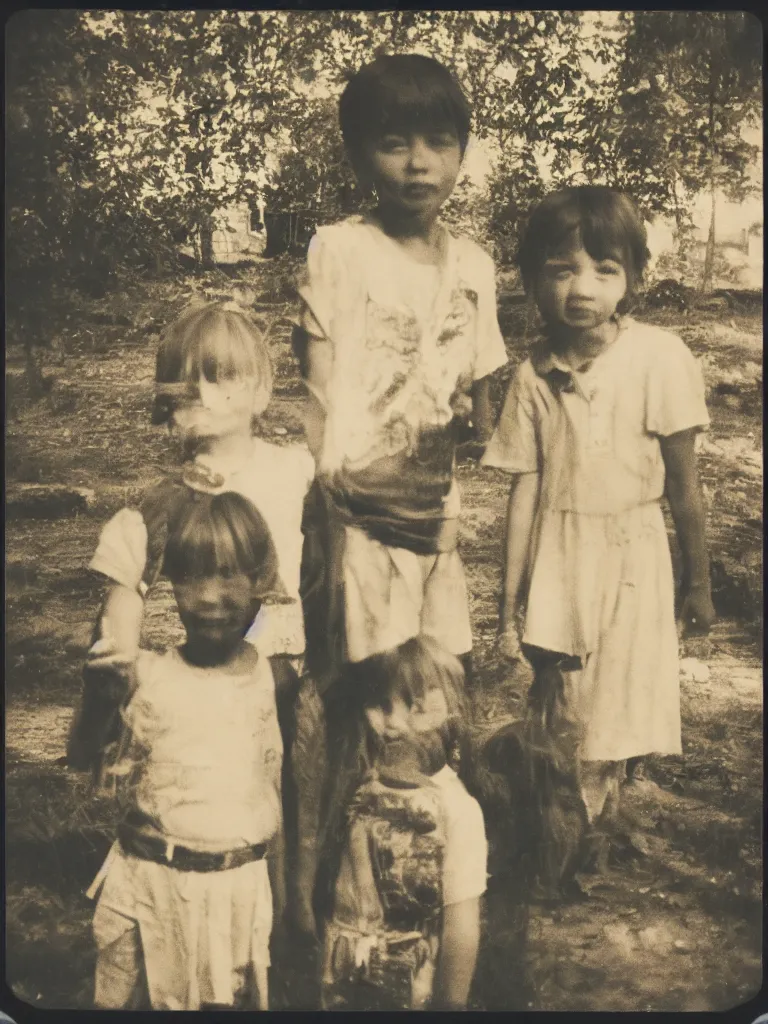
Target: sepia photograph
384,477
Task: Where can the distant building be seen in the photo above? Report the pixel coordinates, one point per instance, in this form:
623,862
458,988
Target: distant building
738,241
243,233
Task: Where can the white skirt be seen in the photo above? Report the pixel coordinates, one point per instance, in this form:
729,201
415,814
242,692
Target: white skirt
602,587
197,938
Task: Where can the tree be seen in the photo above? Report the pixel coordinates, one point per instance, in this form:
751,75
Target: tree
215,87
667,122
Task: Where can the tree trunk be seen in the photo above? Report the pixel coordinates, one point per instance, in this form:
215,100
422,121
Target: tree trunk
709,255
206,243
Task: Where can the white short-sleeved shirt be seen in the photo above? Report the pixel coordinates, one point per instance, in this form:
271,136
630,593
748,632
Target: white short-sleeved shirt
276,480
465,864
594,435
409,340
209,750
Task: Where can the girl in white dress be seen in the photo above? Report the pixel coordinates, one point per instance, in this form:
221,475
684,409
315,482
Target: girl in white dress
184,910
599,423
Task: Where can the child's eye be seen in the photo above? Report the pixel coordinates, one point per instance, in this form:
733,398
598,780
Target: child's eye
442,140
558,270
391,143
609,269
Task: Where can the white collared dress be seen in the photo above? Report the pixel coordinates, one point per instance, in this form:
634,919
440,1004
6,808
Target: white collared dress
600,574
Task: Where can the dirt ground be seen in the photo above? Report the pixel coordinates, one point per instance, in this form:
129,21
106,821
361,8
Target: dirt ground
675,926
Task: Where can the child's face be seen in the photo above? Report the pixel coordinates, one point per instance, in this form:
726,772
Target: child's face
215,410
574,290
414,172
394,719
216,610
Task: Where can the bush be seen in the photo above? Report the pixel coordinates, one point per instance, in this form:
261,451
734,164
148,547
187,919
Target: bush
669,294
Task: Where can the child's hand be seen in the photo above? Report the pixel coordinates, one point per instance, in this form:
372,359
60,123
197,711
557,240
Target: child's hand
698,612
508,644
470,451
105,656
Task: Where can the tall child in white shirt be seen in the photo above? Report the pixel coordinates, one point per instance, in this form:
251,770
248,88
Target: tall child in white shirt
599,423
398,337
184,914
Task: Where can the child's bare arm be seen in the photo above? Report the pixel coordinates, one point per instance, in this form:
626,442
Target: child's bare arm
121,617
482,416
521,512
686,502
459,943
316,360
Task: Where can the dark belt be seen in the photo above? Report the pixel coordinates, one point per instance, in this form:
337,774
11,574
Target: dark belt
180,857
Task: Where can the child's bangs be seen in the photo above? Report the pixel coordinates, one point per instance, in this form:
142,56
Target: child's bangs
220,534
413,106
220,347
411,671
199,550
599,235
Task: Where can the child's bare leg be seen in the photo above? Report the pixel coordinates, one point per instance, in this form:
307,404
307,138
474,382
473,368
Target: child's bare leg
309,763
600,783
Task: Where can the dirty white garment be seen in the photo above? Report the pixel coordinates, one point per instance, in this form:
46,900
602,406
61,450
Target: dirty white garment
187,938
392,594
601,584
207,753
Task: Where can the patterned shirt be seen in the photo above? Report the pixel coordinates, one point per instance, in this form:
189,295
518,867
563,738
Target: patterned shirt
408,342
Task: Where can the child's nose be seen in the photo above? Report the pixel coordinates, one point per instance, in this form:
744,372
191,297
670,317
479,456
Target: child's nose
208,593
584,285
418,154
397,719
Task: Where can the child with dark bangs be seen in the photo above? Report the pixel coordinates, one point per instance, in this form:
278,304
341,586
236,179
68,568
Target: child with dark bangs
185,906
397,339
404,855
598,424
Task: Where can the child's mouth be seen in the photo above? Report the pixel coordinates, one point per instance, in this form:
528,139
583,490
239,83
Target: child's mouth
581,311
419,191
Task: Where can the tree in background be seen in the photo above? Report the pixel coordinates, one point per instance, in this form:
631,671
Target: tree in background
129,130
666,124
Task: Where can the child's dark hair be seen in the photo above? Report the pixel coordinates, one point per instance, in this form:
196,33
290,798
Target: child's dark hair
216,341
399,92
213,533
603,221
